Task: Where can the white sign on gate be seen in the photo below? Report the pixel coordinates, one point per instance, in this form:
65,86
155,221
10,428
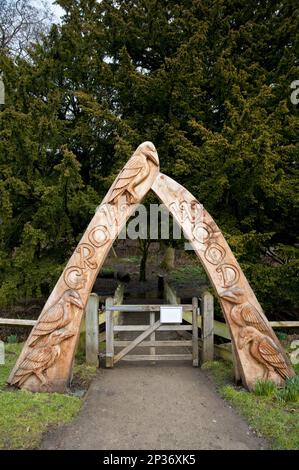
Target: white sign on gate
171,314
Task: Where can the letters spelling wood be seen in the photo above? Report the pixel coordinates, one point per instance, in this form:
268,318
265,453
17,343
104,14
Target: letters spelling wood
45,363
258,351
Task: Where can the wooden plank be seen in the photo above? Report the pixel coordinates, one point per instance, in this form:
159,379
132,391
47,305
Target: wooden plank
136,341
284,324
109,333
170,295
223,352
187,316
194,332
117,300
102,336
156,343
17,322
207,331
145,308
157,357
92,330
220,328
145,327
153,335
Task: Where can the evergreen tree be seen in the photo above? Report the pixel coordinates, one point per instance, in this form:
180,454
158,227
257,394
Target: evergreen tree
207,81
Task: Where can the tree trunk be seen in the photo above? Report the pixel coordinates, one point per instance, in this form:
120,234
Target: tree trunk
168,260
144,247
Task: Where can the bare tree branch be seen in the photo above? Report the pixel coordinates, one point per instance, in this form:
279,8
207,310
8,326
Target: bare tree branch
22,23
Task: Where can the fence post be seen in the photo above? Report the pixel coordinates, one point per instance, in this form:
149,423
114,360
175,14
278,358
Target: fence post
92,330
194,331
207,328
118,300
109,333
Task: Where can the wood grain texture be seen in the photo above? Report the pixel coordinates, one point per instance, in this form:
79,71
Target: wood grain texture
195,352
92,330
136,341
61,310
144,327
157,357
229,283
109,333
207,330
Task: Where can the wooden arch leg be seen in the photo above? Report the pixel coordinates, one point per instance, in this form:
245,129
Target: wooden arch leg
255,344
46,360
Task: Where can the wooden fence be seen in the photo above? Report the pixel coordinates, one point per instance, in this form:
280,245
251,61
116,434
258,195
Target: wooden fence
211,327
205,321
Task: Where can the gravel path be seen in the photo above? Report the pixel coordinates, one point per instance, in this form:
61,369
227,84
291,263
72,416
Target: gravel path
162,406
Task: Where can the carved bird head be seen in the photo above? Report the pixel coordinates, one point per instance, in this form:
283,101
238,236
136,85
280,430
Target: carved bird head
246,335
58,336
233,295
73,297
149,150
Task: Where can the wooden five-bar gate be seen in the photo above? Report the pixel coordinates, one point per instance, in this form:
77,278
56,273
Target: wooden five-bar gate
147,338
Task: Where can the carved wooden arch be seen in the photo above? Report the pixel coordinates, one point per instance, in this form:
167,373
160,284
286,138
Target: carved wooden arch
45,364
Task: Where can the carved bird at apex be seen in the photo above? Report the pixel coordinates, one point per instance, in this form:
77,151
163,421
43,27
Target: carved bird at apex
39,359
134,173
244,313
264,351
57,316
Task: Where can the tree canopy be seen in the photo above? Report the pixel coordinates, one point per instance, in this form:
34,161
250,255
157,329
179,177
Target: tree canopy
207,81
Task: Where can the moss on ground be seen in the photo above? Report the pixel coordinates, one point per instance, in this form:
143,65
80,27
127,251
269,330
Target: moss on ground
276,419
24,416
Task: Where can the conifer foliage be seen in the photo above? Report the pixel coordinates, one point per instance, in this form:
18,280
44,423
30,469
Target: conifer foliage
207,81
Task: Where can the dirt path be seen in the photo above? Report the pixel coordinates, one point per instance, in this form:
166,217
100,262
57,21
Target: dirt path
164,406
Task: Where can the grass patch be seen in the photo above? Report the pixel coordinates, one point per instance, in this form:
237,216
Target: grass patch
24,416
130,259
265,388
187,274
270,411
290,393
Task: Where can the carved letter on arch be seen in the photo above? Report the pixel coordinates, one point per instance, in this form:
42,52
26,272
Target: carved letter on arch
253,339
99,236
86,253
214,253
78,277
228,275
253,331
